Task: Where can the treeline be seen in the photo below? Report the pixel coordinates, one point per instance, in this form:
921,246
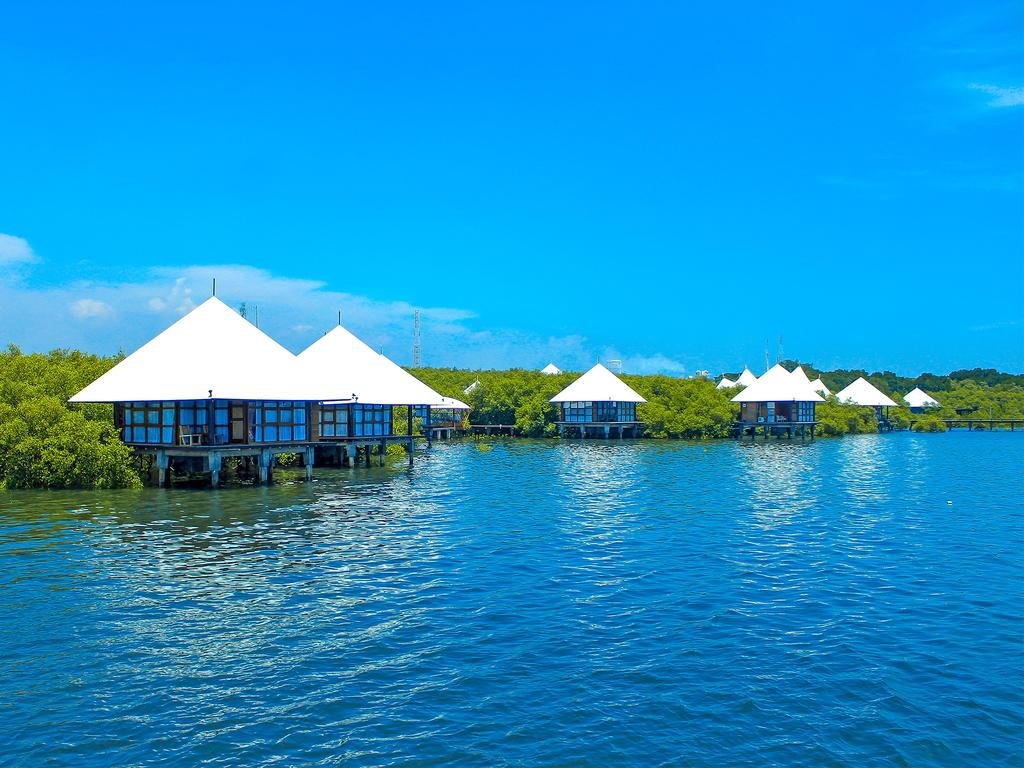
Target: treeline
46,442
696,409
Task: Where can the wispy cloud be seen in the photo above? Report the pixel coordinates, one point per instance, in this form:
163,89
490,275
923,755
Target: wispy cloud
91,309
15,250
106,316
1001,97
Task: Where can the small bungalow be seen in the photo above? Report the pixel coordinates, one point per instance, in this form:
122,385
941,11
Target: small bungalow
863,392
598,403
919,400
551,370
820,388
778,402
359,388
727,383
446,418
211,384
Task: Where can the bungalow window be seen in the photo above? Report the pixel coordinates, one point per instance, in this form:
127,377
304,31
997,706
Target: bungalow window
149,423
576,412
334,421
279,421
371,420
805,411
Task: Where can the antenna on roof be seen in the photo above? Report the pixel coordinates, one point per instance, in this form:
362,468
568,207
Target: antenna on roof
215,286
416,350
339,317
256,312
241,309
778,354
766,354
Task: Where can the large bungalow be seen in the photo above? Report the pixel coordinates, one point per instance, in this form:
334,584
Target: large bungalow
598,404
779,402
210,385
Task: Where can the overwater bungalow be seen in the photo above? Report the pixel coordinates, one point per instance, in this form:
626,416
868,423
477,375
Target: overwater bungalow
447,418
726,383
598,404
779,402
919,400
211,385
359,389
863,392
551,370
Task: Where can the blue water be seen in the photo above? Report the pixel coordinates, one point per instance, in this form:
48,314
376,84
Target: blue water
854,602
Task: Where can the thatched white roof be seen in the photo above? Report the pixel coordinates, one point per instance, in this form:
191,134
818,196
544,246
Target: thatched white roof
746,378
863,392
341,366
210,352
551,369
727,383
819,386
918,398
598,385
777,386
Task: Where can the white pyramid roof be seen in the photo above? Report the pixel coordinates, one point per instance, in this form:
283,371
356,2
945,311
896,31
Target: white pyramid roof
819,386
863,392
450,404
801,374
598,385
551,369
779,385
918,398
746,378
212,348
726,383
340,365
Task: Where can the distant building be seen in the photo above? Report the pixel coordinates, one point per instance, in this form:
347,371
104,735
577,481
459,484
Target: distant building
778,402
863,392
598,404
919,400
820,388
727,383
551,370
746,378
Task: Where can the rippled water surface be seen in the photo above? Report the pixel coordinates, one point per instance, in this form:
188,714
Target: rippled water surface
853,602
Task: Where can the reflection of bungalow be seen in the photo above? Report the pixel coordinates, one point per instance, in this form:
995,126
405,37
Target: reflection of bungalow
778,402
919,400
863,392
551,370
359,389
598,403
210,385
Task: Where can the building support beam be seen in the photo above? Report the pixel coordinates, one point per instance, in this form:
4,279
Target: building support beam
215,465
163,469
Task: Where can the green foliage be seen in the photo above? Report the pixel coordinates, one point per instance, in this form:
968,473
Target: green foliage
929,423
835,418
47,443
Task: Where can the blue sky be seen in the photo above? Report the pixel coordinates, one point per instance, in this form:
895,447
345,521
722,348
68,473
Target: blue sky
669,186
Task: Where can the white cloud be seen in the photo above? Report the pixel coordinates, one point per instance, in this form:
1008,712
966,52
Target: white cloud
293,311
1002,97
15,250
91,309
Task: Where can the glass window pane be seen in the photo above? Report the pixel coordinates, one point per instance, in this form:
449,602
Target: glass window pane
270,433
286,433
